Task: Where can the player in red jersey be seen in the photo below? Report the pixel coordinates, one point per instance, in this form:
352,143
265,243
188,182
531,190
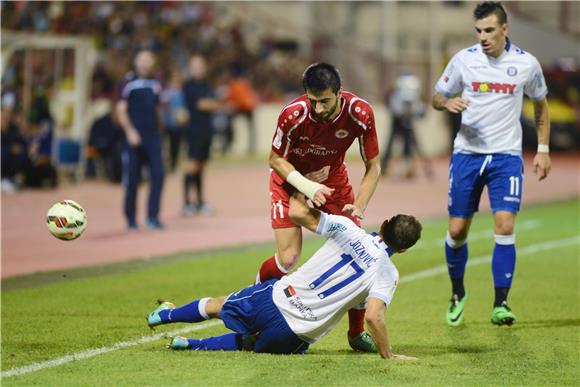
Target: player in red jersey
313,134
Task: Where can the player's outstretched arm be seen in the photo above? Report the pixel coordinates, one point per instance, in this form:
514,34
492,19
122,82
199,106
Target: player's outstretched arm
314,191
367,188
542,162
303,215
375,319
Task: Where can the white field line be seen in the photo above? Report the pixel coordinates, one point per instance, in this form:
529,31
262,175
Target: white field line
99,351
486,258
554,244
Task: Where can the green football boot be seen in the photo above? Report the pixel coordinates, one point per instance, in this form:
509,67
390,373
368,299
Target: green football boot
455,310
153,318
178,343
502,315
363,342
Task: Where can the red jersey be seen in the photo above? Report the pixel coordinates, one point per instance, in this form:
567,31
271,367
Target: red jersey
318,148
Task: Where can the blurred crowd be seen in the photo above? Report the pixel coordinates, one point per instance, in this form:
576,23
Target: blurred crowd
174,31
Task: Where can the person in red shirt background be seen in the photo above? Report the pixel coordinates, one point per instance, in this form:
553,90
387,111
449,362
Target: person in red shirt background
313,134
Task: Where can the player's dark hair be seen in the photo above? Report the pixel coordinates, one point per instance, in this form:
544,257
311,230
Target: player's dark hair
401,231
483,10
321,76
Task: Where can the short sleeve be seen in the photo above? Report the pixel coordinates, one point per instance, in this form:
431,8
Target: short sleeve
451,81
336,226
288,120
123,91
385,283
535,87
369,144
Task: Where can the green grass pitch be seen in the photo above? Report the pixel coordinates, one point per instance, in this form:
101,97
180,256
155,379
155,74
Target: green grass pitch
45,317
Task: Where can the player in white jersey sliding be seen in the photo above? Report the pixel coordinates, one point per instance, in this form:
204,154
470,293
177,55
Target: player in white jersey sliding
287,315
492,77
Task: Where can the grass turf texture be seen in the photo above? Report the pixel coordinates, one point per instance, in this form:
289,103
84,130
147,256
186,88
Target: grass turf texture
73,315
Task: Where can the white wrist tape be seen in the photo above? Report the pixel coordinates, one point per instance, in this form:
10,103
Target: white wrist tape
302,184
543,148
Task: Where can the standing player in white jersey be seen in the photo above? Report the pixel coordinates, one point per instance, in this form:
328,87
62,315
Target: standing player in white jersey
492,77
287,315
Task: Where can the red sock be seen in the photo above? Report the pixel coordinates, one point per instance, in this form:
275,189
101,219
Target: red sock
269,270
356,322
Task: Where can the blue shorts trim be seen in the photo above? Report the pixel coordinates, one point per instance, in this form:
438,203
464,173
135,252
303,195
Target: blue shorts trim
469,173
252,311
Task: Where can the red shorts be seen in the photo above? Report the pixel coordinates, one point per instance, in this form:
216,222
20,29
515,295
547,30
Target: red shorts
280,200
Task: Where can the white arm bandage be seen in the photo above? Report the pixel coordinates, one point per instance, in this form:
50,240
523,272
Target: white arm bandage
302,184
543,148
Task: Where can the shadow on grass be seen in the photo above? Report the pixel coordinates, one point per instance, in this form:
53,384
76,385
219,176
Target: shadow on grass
538,324
440,350
562,323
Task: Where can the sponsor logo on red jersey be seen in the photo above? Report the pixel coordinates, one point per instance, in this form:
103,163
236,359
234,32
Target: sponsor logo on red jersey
315,150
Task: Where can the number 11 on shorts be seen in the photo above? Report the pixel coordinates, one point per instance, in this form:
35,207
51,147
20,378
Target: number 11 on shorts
277,207
514,186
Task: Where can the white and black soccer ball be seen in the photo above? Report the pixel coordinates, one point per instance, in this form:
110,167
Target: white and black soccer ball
66,220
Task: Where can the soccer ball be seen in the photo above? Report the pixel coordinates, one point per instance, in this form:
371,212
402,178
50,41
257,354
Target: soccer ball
66,220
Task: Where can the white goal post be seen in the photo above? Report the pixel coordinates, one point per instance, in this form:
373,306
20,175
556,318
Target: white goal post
75,97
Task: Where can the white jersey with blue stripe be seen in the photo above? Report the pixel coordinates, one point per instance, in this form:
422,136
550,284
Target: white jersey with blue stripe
351,266
494,88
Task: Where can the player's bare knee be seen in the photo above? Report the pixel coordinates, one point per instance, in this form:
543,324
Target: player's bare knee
457,232
213,306
504,228
288,259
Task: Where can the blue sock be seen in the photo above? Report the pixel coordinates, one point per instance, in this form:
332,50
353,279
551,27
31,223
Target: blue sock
192,312
456,256
503,264
456,260
227,342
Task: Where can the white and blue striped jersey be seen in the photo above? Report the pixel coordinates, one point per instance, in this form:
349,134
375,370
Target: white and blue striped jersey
351,266
494,88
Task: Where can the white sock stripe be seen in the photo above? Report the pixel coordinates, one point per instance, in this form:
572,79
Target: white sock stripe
201,308
453,243
505,239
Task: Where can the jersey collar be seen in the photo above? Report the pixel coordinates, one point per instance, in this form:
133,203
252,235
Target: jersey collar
389,250
508,45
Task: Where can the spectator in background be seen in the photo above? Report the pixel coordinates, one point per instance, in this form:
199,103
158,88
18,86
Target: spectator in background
405,105
201,102
14,149
138,111
243,99
40,172
105,147
175,116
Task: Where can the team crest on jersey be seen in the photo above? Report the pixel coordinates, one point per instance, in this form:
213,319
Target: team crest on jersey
492,87
512,71
341,133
